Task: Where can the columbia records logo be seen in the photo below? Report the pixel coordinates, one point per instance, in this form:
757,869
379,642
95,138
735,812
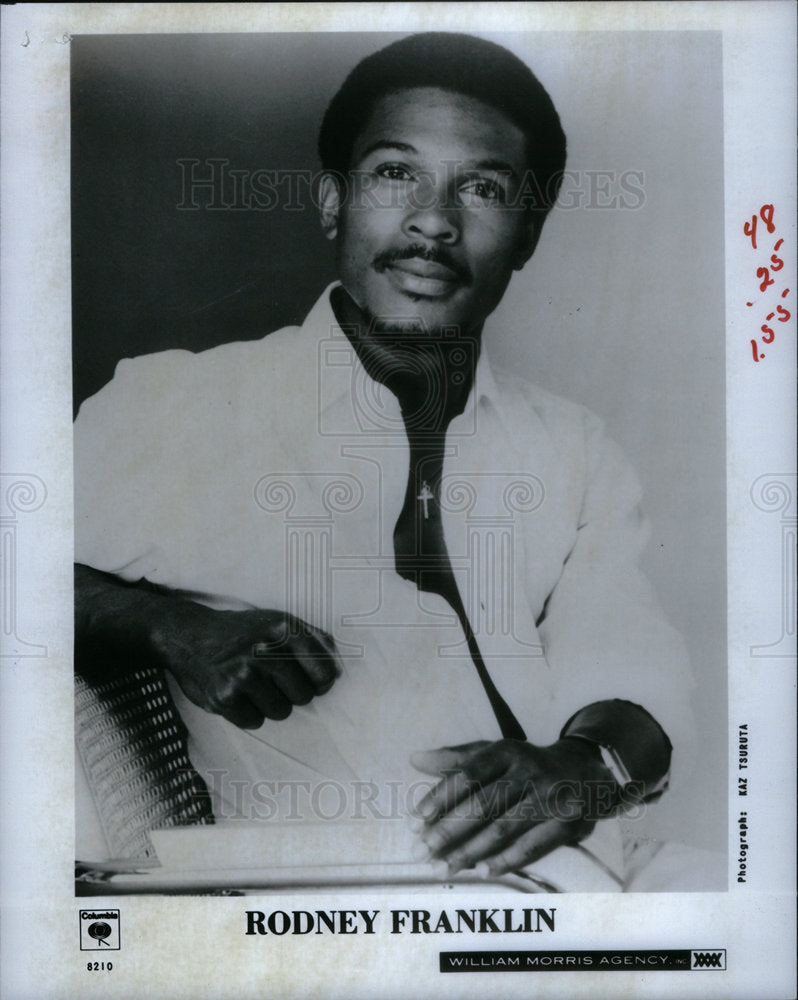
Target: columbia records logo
99,930
708,959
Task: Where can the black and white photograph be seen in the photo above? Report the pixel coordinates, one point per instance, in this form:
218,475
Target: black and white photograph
401,574
384,577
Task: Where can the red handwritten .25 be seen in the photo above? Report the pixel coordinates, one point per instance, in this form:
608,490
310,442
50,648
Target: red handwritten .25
775,264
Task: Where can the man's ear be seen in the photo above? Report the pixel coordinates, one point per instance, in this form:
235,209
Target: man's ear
329,205
529,239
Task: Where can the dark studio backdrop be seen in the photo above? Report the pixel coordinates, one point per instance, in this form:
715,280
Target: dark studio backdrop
621,308
148,273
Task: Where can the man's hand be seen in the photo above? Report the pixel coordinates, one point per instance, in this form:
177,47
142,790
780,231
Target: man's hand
245,665
509,803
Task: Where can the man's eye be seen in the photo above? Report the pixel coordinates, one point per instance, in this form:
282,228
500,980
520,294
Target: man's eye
393,171
482,190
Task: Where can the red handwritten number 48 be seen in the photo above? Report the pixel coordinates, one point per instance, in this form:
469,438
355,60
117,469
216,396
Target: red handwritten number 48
775,264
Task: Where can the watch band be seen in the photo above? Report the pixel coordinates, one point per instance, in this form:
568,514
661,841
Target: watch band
633,746
615,765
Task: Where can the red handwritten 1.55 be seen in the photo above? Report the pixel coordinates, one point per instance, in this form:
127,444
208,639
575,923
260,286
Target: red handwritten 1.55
779,314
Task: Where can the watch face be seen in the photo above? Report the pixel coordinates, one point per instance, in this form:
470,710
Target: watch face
614,764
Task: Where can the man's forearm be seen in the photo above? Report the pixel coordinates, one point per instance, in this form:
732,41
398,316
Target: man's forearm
244,665
115,616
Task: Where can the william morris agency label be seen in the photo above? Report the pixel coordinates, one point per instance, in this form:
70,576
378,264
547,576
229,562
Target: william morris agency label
560,961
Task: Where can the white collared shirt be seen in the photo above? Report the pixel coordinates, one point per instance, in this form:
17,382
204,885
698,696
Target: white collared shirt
271,474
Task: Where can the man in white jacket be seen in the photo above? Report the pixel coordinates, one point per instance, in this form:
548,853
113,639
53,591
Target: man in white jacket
355,543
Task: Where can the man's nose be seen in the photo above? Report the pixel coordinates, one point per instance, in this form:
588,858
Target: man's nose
430,215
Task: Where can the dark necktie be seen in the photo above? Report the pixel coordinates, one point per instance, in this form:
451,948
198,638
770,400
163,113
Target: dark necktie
418,374
420,547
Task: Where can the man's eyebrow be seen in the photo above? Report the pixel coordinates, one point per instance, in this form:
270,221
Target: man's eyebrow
401,147
500,166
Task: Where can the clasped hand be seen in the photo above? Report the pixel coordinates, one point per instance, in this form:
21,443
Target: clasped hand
509,803
246,666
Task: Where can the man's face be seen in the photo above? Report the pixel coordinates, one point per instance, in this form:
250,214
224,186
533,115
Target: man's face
428,234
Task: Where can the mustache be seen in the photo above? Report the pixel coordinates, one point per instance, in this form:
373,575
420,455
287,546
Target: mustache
437,255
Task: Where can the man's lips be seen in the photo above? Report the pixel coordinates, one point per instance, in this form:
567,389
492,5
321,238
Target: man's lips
418,271
418,285
425,269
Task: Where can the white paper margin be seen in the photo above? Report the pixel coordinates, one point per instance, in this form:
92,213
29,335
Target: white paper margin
196,946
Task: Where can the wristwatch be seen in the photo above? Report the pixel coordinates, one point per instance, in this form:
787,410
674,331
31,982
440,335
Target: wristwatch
633,746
